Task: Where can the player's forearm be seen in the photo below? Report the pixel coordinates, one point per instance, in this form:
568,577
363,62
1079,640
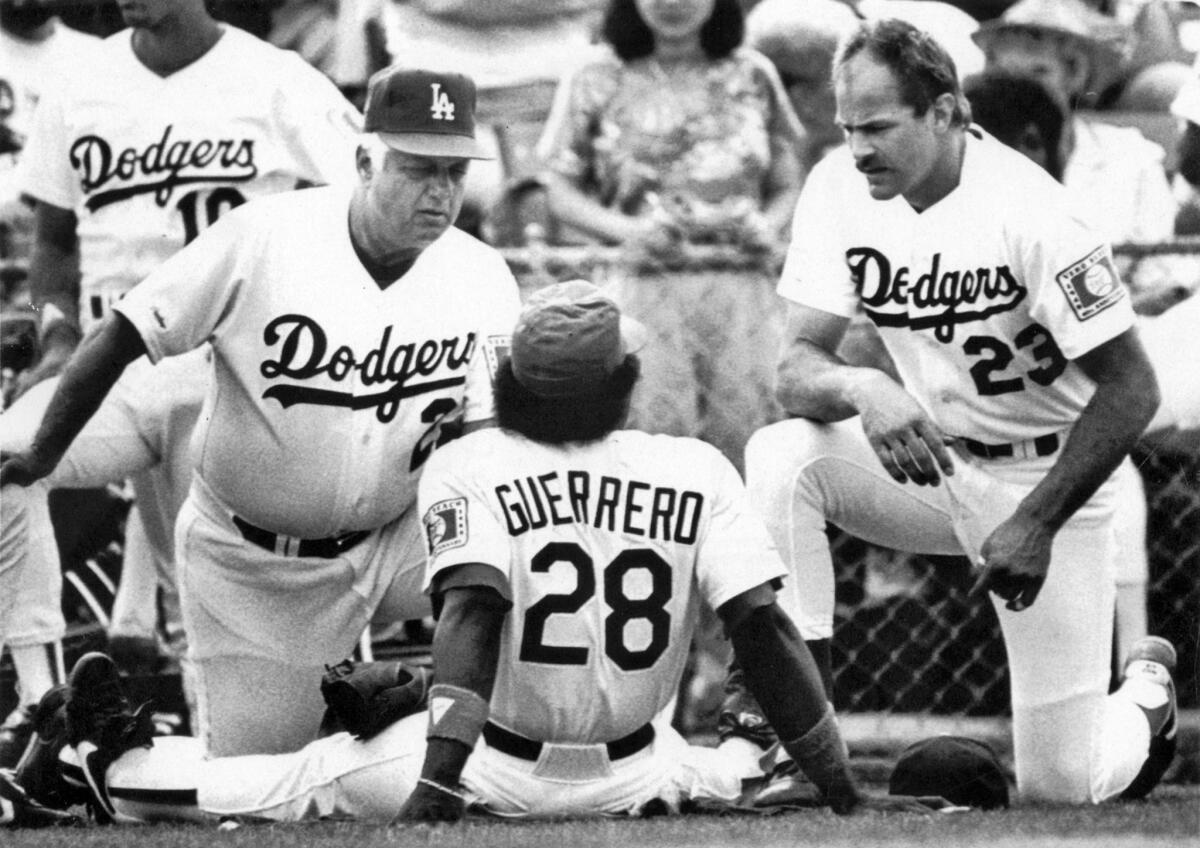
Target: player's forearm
1106,431
90,374
813,383
782,676
466,652
1114,419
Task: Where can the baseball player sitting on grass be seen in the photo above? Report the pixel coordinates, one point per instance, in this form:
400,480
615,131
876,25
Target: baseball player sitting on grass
351,334
1024,386
567,560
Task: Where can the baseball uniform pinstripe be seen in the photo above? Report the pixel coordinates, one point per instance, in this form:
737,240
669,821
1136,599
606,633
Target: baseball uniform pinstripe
982,300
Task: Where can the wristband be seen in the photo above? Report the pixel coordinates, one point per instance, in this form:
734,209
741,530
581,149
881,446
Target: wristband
822,756
456,713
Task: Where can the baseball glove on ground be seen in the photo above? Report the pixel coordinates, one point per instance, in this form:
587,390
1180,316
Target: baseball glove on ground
364,698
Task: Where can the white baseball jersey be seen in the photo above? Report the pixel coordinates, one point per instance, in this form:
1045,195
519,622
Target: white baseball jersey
606,549
147,162
26,69
982,299
329,393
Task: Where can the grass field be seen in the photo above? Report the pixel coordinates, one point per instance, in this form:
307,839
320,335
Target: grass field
1171,817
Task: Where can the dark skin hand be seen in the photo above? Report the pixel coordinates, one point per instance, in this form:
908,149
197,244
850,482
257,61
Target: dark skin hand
466,651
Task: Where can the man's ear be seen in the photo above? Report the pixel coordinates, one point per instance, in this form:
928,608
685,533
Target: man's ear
944,108
363,164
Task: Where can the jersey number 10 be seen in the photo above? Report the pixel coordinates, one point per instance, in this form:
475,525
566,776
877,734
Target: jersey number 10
216,203
651,608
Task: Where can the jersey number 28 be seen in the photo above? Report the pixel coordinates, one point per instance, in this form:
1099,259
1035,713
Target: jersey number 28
651,608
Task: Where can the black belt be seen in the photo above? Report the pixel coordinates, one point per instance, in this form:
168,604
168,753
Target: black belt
1042,446
516,745
329,548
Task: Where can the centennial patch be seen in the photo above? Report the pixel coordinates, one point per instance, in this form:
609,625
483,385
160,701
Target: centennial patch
446,525
496,348
1091,284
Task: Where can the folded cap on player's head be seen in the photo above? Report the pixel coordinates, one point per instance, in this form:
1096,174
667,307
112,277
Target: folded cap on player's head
964,771
423,112
569,340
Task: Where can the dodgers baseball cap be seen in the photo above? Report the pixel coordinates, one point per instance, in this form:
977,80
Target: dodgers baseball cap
964,771
570,338
426,113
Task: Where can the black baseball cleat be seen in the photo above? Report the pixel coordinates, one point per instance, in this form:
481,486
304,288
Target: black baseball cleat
101,726
15,734
39,772
18,810
741,716
1147,682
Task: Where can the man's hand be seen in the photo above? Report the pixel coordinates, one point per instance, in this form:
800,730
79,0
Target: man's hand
430,802
22,468
1015,560
908,444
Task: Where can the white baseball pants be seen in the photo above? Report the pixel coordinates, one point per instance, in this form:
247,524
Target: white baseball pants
261,627
340,776
1072,742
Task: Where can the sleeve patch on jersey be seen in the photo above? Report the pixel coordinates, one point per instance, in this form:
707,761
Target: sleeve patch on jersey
446,525
1091,284
496,348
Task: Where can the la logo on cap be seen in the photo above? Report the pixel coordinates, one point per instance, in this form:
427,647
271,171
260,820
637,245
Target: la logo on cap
443,107
424,112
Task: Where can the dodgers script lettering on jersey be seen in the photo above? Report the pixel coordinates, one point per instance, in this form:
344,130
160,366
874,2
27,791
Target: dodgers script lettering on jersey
933,297
304,353
147,163
982,299
609,503
158,168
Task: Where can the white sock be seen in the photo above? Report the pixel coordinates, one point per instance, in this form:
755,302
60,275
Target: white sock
39,667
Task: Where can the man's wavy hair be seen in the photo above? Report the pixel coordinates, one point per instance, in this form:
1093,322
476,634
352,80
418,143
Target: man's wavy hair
579,418
923,69
631,37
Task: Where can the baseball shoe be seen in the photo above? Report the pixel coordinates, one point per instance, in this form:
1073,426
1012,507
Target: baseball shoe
741,716
15,734
18,810
101,725
39,773
1147,682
